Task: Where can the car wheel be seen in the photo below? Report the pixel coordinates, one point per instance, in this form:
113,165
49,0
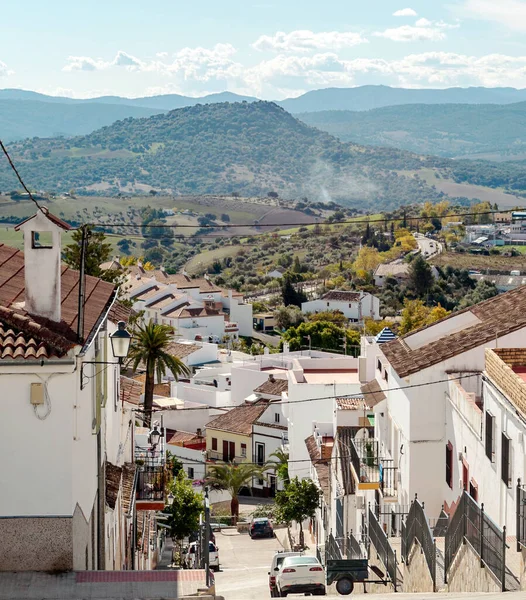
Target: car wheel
345,586
284,594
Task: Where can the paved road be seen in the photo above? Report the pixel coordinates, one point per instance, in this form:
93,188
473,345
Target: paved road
432,247
244,566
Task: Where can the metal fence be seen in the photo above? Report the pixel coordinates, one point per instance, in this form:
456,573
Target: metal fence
383,548
388,478
417,528
391,517
151,483
364,459
470,523
521,516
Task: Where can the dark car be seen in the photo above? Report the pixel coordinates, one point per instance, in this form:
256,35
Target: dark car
261,528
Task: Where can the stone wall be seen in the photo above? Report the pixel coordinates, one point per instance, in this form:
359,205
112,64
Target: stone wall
36,544
417,577
499,363
466,574
377,588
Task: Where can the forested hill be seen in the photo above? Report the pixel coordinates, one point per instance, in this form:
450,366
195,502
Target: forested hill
250,148
452,130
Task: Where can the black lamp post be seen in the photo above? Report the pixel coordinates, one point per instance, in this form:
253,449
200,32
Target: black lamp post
155,437
120,346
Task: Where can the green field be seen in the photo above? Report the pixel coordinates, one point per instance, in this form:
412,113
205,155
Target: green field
207,258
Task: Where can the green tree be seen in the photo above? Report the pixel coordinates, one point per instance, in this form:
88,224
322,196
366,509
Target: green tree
289,294
279,461
185,509
331,316
296,267
297,502
483,291
420,276
232,478
150,348
288,316
324,335
416,314
98,251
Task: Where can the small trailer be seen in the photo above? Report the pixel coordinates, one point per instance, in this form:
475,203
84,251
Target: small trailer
345,573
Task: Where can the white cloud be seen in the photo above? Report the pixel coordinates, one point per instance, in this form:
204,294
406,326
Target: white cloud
423,23
405,12
161,54
408,33
86,63
304,40
122,59
4,71
511,13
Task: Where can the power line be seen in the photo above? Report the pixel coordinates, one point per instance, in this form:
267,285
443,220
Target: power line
342,396
359,221
20,178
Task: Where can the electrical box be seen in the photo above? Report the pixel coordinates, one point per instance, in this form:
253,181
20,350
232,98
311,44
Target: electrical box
37,394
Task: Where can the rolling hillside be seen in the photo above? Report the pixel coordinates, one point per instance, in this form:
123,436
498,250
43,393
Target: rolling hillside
220,148
452,130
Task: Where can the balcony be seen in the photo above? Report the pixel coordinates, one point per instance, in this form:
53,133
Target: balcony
215,455
370,471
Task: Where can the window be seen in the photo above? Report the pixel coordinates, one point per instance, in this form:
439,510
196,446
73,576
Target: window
474,490
190,472
229,451
490,436
449,464
41,239
386,375
214,443
260,453
505,459
379,365
260,482
243,449
276,417
328,303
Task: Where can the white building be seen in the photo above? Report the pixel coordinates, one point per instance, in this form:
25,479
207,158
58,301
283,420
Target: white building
65,503
277,273
195,307
356,306
485,433
414,371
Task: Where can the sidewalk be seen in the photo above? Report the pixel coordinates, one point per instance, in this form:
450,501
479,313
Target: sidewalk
283,539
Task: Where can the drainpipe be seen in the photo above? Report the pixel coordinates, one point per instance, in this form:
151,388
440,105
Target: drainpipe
101,501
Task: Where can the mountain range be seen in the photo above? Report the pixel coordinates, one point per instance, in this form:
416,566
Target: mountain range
29,114
249,148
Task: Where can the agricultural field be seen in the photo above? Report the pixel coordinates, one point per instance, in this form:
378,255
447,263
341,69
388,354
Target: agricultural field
480,262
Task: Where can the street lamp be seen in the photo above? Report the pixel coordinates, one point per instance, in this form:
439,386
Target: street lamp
120,346
120,342
155,437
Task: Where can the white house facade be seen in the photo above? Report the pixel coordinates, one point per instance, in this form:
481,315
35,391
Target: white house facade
356,306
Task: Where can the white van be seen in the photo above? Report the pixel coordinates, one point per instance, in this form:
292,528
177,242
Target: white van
213,556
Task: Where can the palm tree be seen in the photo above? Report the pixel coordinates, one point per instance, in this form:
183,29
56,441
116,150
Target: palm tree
232,477
150,347
279,462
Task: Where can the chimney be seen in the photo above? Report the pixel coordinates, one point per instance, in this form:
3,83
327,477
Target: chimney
271,378
199,434
42,264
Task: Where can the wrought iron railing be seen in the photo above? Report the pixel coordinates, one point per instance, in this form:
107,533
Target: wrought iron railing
417,528
521,516
151,483
365,461
383,548
471,523
388,478
391,517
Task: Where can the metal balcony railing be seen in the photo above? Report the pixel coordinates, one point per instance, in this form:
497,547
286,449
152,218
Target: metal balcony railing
151,483
365,462
218,455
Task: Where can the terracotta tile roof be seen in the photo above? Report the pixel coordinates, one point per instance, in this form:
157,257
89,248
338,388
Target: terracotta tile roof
344,436
273,387
120,312
350,403
131,390
271,425
392,270
321,466
178,280
23,338
128,486
112,265
182,350
50,216
180,437
342,296
99,295
113,484
241,418
161,389
491,319
145,294
164,301
373,393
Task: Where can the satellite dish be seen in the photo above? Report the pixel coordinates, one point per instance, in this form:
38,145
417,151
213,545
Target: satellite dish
362,434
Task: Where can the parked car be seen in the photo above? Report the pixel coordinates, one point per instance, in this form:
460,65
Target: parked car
261,527
301,575
191,554
275,566
193,537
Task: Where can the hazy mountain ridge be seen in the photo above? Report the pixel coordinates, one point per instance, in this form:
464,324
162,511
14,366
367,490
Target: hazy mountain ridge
449,130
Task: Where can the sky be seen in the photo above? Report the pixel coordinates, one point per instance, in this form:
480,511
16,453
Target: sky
272,49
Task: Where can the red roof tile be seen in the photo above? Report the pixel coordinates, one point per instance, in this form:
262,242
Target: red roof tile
241,418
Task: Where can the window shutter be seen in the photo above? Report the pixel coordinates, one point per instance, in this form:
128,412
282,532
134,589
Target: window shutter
489,436
505,459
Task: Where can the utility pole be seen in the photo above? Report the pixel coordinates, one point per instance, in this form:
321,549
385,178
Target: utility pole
206,549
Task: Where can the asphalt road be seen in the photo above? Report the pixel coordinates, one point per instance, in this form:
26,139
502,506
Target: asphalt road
428,245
